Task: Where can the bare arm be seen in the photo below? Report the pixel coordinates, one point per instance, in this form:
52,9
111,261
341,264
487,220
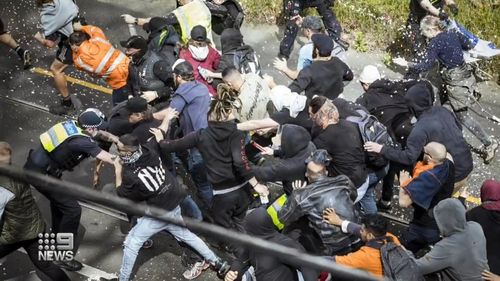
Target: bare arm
106,136
257,124
106,157
426,4
45,42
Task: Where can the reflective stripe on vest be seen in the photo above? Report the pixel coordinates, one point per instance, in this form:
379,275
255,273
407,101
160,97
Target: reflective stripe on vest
192,14
117,61
273,210
58,134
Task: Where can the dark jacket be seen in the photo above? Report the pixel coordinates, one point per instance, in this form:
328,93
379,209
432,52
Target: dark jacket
296,146
222,147
310,201
462,251
147,181
267,267
435,123
385,100
323,78
490,222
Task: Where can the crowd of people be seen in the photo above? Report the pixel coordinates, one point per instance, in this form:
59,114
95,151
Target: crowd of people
297,164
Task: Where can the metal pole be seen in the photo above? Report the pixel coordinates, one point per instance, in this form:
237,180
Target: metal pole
292,256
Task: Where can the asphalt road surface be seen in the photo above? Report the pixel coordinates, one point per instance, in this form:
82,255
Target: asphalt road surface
25,95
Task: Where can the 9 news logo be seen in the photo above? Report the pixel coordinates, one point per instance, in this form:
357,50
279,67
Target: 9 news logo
55,247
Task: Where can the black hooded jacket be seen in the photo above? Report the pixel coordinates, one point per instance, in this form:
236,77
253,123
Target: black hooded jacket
231,41
222,148
268,268
296,146
435,123
385,100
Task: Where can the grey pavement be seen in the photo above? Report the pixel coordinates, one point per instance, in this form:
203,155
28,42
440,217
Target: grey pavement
24,95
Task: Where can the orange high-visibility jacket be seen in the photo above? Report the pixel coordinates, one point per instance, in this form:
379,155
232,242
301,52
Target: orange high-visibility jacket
99,57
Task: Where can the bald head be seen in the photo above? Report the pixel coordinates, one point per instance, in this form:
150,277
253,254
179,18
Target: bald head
436,151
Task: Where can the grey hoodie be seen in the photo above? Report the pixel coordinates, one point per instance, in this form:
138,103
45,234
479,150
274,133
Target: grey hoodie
463,248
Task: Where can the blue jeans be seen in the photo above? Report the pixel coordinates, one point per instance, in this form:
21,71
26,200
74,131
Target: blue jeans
147,227
190,209
198,172
418,237
369,202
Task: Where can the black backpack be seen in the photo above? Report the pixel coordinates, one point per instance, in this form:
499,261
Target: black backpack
246,61
372,130
398,264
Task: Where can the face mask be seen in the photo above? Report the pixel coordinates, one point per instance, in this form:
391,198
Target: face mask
131,157
199,53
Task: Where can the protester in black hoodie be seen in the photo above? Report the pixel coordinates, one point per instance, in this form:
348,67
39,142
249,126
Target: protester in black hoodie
228,170
295,146
267,267
163,38
434,123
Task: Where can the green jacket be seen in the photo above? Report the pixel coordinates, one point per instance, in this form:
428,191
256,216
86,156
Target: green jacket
21,219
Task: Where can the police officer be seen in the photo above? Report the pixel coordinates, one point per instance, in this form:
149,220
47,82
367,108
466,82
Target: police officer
150,75
292,9
60,149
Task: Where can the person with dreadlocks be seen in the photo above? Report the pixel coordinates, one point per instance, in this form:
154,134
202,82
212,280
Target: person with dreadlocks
222,145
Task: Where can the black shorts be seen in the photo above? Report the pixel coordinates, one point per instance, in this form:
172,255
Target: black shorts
2,30
64,53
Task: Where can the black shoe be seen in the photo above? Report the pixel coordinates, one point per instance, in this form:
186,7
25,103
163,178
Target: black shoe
384,206
60,109
282,57
222,267
27,60
106,279
72,265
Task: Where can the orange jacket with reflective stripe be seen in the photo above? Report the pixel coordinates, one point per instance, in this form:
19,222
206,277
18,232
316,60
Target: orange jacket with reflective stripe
100,58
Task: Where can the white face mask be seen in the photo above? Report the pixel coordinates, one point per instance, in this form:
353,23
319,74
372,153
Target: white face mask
199,53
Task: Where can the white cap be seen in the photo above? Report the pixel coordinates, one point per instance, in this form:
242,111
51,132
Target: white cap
369,74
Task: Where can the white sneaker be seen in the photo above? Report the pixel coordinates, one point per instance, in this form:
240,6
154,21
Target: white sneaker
196,270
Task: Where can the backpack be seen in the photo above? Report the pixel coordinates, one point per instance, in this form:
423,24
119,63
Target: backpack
372,130
398,264
246,61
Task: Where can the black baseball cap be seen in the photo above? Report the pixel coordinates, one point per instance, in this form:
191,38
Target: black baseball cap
137,105
199,33
323,43
155,23
135,42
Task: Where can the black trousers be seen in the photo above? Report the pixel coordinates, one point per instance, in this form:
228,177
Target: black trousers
415,39
292,8
65,210
31,246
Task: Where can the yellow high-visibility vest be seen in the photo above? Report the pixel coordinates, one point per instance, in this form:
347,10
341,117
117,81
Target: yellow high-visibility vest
192,14
59,133
273,210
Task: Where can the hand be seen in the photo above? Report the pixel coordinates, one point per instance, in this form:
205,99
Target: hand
268,151
330,217
488,276
157,133
373,147
98,166
231,276
298,184
149,95
77,26
464,193
269,80
280,64
400,61
261,189
453,9
209,74
298,20
404,176
128,18
171,113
